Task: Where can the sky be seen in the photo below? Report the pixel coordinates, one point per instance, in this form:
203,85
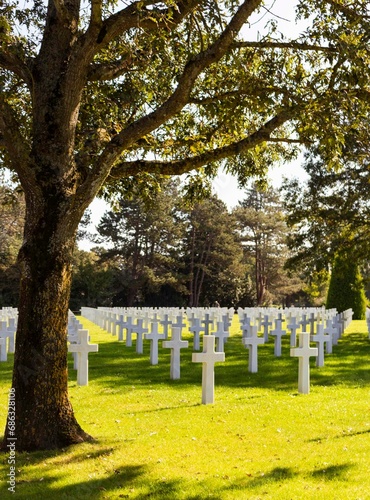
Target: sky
226,186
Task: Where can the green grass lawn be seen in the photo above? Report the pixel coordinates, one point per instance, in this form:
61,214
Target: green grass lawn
260,440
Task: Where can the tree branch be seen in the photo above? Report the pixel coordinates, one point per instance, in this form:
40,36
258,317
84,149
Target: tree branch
258,89
175,102
109,71
15,144
178,167
135,16
349,12
285,45
62,11
12,62
96,13
67,11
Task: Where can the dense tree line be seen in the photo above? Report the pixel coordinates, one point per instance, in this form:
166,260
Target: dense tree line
168,252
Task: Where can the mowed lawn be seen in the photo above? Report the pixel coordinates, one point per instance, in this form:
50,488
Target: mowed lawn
259,440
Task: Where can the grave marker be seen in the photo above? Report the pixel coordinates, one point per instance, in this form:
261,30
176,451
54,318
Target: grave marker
196,328
6,333
140,331
175,344
221,335
166,322
121,323
304,352
179,323
320,338
12,328
208,358
3,351
304,322
154,336
129,329
207,322
293,327
252,342
331,330
246,327
278,332
83,349
266,324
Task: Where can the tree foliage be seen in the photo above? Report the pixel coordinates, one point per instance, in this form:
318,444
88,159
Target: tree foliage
213,255
346,288
11,229
329,214
263,232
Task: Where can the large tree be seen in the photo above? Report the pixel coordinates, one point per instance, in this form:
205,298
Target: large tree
143,239
263,232
101,91
212,254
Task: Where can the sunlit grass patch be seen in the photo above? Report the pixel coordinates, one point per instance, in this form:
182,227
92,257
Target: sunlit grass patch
261,439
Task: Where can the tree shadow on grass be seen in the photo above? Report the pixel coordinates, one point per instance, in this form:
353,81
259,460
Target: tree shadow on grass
278,474
332,472
45,487
284,474
129,481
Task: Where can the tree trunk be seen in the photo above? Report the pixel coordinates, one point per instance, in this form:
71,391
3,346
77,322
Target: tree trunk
44,418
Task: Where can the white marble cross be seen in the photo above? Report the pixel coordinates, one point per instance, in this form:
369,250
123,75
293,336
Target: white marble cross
246,327
166,322
3,351
154,336
196,328
129,329
175,344
320,338
208,358
6,333
83,348
252,342
12,328
226,321
278,332
293,327
121,325
331,330
304,352
304,322
266,324
139,330
179,323
221,334
207,322
312,321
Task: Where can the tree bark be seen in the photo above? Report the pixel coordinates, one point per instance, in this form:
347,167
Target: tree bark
44,418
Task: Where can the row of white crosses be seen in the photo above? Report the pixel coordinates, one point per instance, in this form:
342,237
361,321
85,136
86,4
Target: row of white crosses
216,321
205,321
335,325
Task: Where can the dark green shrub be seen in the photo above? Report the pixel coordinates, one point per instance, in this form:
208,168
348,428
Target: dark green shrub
346,288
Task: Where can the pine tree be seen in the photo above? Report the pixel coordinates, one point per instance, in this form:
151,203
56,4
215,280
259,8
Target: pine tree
346,289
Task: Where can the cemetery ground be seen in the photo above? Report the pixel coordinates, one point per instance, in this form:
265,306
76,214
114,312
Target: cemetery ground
261,439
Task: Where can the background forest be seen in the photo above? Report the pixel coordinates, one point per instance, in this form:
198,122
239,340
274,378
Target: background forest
276,247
